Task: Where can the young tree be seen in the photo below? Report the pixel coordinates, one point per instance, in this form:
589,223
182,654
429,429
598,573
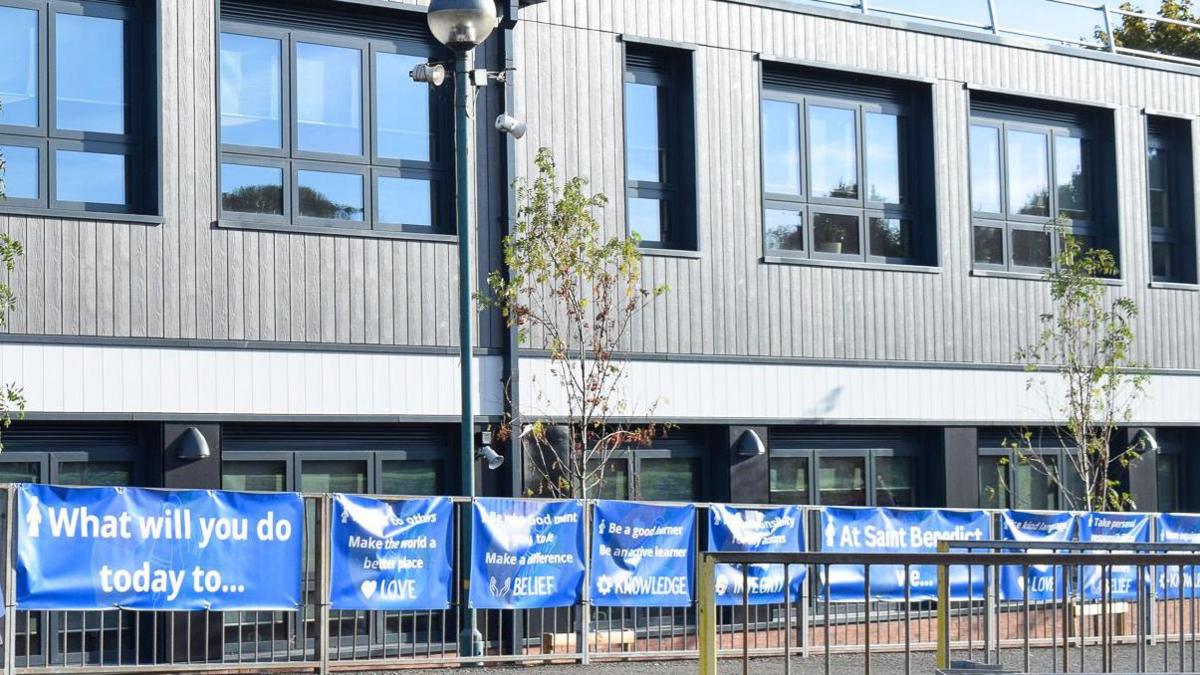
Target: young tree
1160,37
12,398
575,291
1091,383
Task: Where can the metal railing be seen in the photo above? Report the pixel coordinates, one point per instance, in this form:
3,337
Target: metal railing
1109,19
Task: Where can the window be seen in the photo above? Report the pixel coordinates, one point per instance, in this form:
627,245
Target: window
1168,473
843,477
659,148
1033,168
1010,480
842,158
76,107
1170,193
326,131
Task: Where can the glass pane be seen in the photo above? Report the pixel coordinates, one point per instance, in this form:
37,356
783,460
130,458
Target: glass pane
411,477
1031,248
646,219
251,91
781,147
1159,166
985,169
835,233
989,245
1032,487
1167,470
993,482
785,230
20,472
891,237
18,67
789,480
895,481
884,157
257,476
334,196
333,476
1028,180
1162,258
405,201
102,474
833,152
89,73
401,109
252,189
669,480
842,481
19,179
90,177
329,99
1070,171
643,145
615,482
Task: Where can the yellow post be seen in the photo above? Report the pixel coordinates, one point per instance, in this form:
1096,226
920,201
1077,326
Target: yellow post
707,630
943,610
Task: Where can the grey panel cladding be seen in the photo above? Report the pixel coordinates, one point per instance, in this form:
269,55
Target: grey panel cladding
187,278
730,303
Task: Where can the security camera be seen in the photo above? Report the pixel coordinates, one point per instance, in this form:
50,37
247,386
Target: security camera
510,125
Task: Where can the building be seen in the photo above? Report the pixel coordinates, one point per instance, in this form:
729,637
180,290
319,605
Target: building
238,219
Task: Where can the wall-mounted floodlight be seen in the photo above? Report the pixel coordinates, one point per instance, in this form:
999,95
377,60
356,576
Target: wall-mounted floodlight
750,445
492,459
1147,439
192,445
510,125
433,74
462,24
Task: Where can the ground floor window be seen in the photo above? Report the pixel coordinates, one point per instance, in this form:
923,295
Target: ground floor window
844,477
659,475
1040,477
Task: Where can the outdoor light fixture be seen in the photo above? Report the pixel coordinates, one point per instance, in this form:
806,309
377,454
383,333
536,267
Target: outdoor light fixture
433,74
192,445
492,459
750,445
510,125
1151,443
462,24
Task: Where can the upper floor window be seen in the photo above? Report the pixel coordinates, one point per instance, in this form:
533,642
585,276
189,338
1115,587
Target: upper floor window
325,130
1172,199
76,106
845,162
659,147
1036,172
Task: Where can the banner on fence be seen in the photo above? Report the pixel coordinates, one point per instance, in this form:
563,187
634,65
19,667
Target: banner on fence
643,555
390,555
778,530
526,554
1120,528
100,548
880,530
1171,528
1031,526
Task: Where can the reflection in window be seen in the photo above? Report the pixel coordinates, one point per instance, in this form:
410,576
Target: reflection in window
781,147
89,73
251,91
614,484
884,159
643,141
1170,190
842,481
993,482
1168,472
333,476
255,476
401,109
417,478
669,480
331,196
18,67
252,189
90,177
835,233
405,201
20,472
985,169
1031,248
1033,488
895,481
100,474
1028,181
20,175
329,99
785,230
833,148
1070,172
891,238
646,218
789,480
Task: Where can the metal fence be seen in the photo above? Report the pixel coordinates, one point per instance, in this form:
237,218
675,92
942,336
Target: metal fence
316,639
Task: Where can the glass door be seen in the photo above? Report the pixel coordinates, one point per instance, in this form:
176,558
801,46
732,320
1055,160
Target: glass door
666,476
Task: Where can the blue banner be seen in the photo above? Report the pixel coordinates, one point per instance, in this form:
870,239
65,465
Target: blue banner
1173,528
526,554
1122,528
1041,580
761,531
643,555
875,530
100,548
390,555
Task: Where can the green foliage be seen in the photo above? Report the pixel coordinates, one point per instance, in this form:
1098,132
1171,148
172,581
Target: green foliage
575,292
1159,37
1087,341
12,398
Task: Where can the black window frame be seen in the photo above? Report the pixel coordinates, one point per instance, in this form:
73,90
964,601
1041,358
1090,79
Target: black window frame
1061,457
438,171
910,103
139,142
869,456
670,69
1052,121
1173,135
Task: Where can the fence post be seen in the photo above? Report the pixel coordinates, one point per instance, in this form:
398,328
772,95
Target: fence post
1108,29
943,609
585,619
706,631
10,582
322,572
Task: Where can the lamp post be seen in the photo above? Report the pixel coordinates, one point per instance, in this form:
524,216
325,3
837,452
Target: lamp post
462,25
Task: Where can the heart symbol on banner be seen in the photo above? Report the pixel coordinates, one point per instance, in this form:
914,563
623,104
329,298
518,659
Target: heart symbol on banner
368,588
